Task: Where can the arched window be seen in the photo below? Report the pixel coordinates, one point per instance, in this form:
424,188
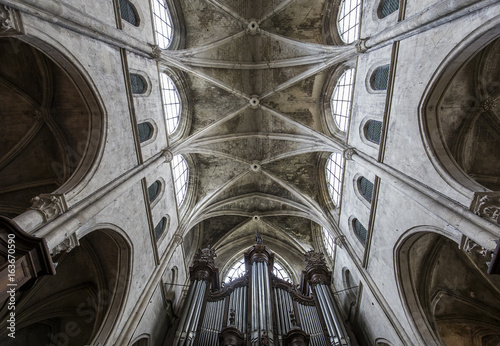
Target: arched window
181,175
145,131
128,12
237,270
387,7
280,272
334,173
154,190
160,228
163,24
138,84
373,131
380,78
329,243
365,188
171,103
360,231
342,99
348,23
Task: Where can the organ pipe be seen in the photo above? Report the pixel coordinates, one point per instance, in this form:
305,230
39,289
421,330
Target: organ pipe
259,309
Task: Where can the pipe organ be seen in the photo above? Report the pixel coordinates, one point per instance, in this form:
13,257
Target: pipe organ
259,308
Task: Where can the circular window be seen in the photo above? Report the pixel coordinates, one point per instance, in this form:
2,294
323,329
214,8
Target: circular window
342,100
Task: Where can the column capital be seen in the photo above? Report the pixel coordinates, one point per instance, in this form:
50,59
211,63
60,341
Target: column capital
361,45
167,154
348,153
49,205
155,51
487,205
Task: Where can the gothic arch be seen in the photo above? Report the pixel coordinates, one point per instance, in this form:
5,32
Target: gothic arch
82,309
461,139
448,299
53,124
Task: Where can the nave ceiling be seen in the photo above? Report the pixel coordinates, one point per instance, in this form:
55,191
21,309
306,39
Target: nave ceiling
256,167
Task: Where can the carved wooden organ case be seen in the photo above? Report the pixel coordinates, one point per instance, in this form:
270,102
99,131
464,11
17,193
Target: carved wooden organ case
259,308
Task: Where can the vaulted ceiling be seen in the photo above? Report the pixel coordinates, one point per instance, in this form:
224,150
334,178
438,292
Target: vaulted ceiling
256,73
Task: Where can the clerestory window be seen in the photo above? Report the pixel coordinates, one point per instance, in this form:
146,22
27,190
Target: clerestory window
334,175
181,176
342,99
328,241
163,24
348,22
171,103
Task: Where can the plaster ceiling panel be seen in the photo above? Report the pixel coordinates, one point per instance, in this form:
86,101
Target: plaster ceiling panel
300,20
17,118
256,182
215,228
38,160
300,101
297,227
238,80
300,170
215,171
210,103
205,23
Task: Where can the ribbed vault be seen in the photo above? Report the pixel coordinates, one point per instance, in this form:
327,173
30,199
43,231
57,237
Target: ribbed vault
256,72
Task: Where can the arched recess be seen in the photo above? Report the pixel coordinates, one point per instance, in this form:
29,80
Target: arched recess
143,340
77,309
52,126
449,299
460,114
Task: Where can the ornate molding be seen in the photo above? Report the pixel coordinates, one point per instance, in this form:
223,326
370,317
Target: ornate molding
167,154
361,45
155,51
487,205
203,268
489,104
476,251
50,206
348,153
10,22
67,245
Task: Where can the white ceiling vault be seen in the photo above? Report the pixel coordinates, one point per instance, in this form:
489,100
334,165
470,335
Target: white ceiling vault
256,73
